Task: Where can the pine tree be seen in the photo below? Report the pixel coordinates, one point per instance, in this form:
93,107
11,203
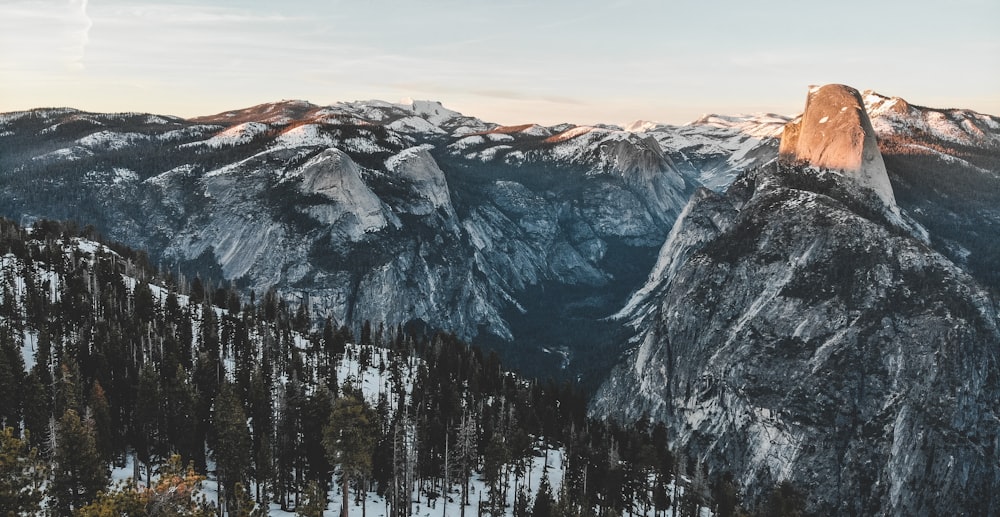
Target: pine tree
494,459
37,407
100,414
521,503
78,474
315,502
263,433
21,475
69,394
11,379
465,454
288,450
232,447
349,439
180,416
543,499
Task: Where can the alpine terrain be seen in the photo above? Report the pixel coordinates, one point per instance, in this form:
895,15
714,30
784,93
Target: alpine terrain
521,237
799,327
760,313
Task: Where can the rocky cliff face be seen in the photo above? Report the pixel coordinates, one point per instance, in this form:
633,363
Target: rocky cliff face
392,213
795,329
835,133
793,333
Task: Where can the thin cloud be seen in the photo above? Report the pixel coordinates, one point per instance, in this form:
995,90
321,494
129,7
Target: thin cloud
85,33
527,96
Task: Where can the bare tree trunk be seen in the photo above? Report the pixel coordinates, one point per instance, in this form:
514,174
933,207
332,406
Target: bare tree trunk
444,488
346,496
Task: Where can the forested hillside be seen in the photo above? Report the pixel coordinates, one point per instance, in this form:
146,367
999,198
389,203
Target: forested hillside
109,366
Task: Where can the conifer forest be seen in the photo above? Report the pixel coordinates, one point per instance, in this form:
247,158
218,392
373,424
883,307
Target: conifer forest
133,391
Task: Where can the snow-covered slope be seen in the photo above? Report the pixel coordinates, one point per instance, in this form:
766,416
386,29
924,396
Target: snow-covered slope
718,147
894,116
395,213
411,211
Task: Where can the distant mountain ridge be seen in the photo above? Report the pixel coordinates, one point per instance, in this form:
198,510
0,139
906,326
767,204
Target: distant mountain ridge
370,211
416,213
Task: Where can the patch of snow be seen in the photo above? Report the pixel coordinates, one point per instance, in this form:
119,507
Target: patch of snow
641,126
236,135
489,154
364,145
29,349
68,154
433,111
536,130
415,125
499,137
464,143
515,157
163,179
187,132
110,140
572,133
394,161
305,135
465,130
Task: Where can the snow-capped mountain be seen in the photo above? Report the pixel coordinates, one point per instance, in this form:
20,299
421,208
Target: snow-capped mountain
400,212
798,328
716,148
370,210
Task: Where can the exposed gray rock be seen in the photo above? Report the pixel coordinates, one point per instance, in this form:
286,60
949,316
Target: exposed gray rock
353,207
835,133
796,334
364,210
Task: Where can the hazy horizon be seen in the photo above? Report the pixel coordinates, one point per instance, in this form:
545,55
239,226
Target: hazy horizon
516,62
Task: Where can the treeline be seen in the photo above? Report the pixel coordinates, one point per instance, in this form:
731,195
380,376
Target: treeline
955,201
106,362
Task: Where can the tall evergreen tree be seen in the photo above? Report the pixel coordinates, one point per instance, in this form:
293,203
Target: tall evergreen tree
543,499
465,453
232,443
100,414
21,476
37,409
11,378
315,502
349,439
261,414
79,473
145,420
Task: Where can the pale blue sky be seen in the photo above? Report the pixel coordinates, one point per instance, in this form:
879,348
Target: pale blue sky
504,61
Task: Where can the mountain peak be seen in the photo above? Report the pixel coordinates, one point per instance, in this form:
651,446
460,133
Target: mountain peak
281,112
834,132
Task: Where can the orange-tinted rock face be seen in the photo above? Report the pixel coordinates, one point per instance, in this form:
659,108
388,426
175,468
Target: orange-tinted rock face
835,133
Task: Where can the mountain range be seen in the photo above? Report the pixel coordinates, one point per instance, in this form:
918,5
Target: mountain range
805,298
386,212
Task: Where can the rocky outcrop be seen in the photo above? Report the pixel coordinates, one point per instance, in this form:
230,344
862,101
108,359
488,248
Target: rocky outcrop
426,180
352,208
835,133
792,332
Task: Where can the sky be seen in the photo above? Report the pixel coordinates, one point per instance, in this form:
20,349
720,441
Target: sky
512,61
